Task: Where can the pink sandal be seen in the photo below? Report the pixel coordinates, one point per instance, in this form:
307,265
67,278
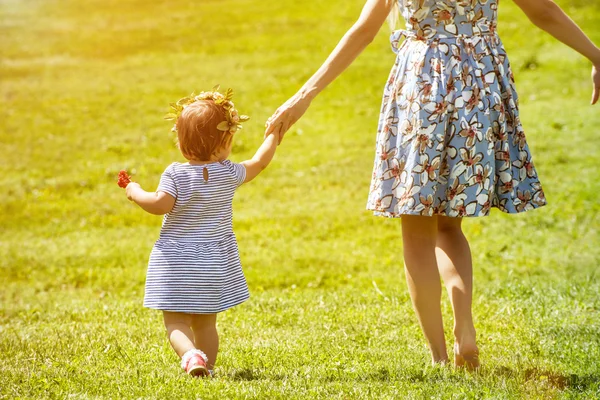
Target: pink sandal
194,363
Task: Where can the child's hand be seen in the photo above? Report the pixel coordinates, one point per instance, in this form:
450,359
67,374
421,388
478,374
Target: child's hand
131,187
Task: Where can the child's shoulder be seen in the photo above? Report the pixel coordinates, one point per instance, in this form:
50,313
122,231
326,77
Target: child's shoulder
170,170
231,165
233,169
227,163
238,171
175,166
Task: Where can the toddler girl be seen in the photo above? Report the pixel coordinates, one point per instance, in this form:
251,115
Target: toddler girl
194,270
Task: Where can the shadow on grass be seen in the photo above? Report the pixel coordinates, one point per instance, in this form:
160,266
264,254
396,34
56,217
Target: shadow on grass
553,379
252,375
575,382
579,383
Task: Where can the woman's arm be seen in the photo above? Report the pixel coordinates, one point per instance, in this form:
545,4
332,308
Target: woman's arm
261,159
157,203
548,16
352,44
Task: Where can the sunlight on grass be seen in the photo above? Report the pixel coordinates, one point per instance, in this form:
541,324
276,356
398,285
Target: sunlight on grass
84,86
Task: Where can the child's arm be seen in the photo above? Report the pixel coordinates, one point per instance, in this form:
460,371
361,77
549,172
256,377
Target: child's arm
261,159
157,203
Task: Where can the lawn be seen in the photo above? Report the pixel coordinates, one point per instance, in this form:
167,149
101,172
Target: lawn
84,85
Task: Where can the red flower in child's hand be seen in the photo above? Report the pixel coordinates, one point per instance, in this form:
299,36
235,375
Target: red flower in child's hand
124,179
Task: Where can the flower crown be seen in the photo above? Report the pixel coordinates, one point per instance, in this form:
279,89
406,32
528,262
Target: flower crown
232,118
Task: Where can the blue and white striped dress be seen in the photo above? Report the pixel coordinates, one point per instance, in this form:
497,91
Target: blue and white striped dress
195,265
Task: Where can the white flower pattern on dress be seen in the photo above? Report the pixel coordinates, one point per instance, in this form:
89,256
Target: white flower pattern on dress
450,141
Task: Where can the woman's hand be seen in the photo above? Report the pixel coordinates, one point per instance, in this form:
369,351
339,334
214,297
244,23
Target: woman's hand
596,83
286,116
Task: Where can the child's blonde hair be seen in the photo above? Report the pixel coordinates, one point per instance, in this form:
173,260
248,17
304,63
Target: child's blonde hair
197,133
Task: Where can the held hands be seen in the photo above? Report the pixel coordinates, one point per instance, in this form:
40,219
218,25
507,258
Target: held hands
286,116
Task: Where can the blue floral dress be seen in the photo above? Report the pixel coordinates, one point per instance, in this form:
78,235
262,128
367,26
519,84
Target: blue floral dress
450,140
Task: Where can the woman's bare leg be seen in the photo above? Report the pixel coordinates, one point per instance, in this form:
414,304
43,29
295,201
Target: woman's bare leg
419,239
456,267
206,336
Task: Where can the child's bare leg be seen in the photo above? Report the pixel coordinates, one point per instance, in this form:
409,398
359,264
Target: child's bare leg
456,267
179,331
419,238
206,336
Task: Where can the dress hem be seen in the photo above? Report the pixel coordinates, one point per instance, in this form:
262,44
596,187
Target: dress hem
189,311
387,214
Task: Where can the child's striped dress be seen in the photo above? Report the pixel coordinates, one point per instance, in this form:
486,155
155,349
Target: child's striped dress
195,266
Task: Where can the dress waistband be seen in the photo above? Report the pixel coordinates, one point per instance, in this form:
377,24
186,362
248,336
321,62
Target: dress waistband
397,35
192,241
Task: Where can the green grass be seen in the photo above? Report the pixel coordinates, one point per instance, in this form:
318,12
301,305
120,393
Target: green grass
84,85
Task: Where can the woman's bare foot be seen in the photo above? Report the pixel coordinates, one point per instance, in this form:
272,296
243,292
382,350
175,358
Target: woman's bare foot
466,357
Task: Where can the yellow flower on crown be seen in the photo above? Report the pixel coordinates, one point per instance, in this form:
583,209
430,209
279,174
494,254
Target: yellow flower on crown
233,119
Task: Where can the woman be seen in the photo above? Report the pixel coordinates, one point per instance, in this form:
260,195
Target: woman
450,143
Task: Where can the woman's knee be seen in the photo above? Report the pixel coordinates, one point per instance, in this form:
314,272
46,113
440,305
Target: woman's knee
449,226
419,228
